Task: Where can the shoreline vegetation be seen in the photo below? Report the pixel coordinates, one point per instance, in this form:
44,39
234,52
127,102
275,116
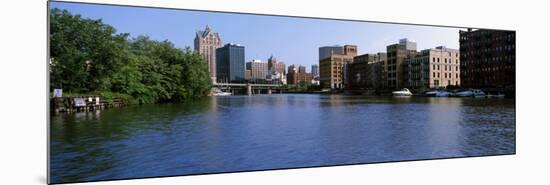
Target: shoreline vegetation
89,58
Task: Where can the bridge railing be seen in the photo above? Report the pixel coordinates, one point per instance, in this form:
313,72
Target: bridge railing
243,85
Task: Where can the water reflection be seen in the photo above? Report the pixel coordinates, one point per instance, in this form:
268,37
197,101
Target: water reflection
236,133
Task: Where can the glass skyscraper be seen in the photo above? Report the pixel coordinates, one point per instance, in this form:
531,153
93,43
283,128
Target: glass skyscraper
230,64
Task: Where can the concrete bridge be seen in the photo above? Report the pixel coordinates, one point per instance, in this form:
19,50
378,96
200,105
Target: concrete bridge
250,88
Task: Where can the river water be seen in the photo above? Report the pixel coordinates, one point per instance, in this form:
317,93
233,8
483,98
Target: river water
243,133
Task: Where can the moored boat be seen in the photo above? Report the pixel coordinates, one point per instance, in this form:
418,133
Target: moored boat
471,93
218,92
402,92
437,93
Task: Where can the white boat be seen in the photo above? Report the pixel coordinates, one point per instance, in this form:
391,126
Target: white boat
218,92
402,92
438,93
471,93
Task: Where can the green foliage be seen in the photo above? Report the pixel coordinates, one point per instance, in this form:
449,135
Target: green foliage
88,56
302,86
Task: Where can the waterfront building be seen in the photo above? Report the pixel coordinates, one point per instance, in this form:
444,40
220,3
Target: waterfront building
326,51
274,77
393,68
488,59
247,75
258,70
297,74
230,63
293,68
332,70
206,43
315,80
315,70
366,71
433,68
276,65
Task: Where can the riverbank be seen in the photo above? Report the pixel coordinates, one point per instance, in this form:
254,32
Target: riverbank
84,103
388,92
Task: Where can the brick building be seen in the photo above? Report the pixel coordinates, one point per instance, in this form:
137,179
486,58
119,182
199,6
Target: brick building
488,59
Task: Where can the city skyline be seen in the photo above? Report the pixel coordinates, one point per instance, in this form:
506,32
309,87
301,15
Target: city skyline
292,40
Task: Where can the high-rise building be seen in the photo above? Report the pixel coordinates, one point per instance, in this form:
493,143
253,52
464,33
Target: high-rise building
409,44
276,65
230,63
247,74
433,68
366,71
258,70
488,59
293,68
302,69
206,43
315,70
297,74
326,51
332,70
393,67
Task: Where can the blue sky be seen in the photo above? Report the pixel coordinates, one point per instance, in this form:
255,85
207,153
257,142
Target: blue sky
291,40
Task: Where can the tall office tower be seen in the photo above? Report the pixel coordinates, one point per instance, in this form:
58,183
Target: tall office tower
230,64
206,43
276,65
326,51
315,70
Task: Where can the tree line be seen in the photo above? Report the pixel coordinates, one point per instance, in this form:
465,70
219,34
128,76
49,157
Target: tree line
90,57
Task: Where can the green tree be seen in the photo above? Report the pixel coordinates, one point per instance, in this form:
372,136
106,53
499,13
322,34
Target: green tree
88,56
84,52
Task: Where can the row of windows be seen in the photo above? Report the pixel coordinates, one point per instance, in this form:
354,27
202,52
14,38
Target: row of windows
491,59
490,69
493,38
510,47
436,60
446,68
446,75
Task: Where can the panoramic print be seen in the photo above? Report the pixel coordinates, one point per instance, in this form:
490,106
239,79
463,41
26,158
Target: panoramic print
138,92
